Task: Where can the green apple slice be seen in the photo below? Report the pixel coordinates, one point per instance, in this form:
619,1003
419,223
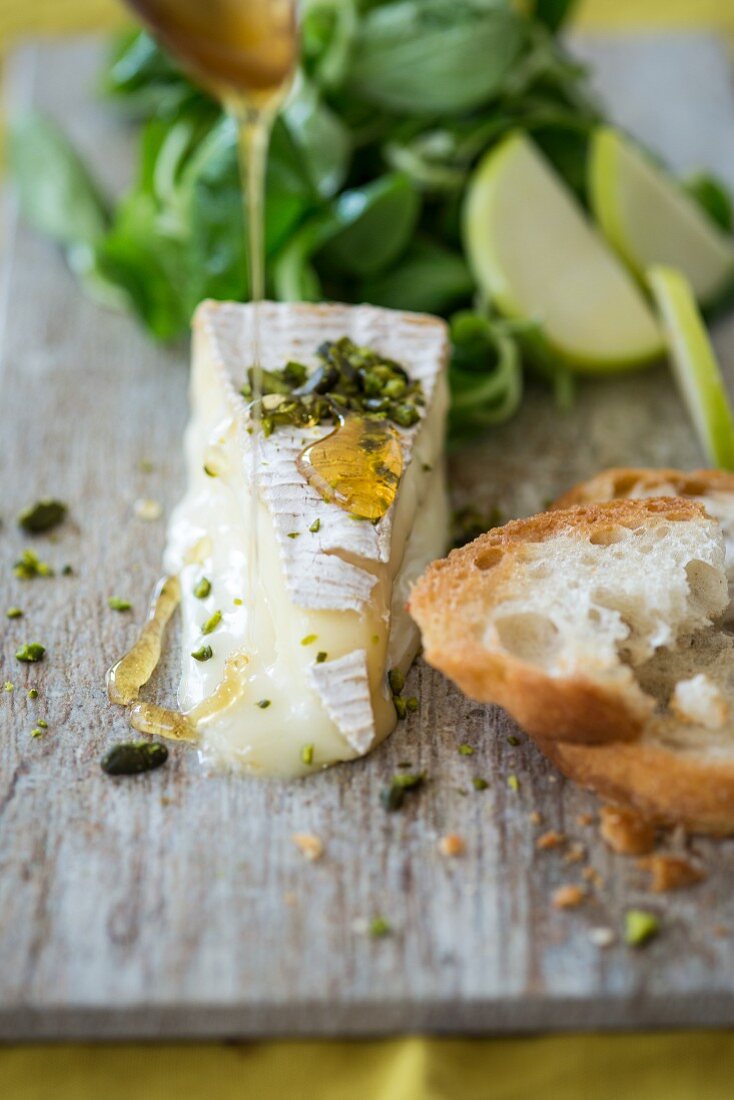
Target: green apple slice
537,256
694,365
649,219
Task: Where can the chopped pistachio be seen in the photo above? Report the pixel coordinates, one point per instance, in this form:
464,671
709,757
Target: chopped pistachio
392,797
209,471
14,613
639,927
36,732
466,750
401,707
29,565
307,754
42,516
203,588
293,534
512,740
412,703
321,657
33,693
479,784
146,466
67,571
42,723
203,653
513,782
309,639
237,601
315,526
30,652
117,603
134,757
7,686
396,680
379,927
212,623
375,639
263,703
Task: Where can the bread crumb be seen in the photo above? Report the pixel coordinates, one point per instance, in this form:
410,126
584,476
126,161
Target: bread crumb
626,832
569,896
602,937
551,839
700,701
451,845
575,853
583,820
311,847
670,872
535,818
148,509
592,875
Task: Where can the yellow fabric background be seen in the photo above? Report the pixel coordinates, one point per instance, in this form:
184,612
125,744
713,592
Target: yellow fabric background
688,1066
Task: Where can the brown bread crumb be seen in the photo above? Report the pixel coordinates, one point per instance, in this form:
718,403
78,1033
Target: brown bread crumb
671,872
626,832
569,896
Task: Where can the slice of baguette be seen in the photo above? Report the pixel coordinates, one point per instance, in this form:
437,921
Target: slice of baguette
712,488
553,617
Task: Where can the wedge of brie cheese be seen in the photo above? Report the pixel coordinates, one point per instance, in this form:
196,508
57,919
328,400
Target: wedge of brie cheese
302,682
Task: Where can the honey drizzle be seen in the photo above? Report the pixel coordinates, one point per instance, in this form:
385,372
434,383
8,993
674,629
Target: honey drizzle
357,466
132,672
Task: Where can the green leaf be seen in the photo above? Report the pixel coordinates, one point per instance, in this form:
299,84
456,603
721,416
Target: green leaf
485,374
553,13
58,196
374,224
713,197
324,141
427,279
435,57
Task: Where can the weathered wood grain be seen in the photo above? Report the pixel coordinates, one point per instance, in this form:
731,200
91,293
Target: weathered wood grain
176,904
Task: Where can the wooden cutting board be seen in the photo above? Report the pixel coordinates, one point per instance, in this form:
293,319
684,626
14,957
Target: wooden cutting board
176,904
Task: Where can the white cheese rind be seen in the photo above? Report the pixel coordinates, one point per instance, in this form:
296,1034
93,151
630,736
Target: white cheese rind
343,583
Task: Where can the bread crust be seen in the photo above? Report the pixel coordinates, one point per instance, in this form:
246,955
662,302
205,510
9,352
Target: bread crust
668,785
617,483
450,603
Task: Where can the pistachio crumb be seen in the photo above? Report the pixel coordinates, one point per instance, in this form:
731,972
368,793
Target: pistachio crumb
309,639
30,652
117,603
315,526
203,588
479,784
307,754
237,601
33,693
42,723
640,927
263,703
293,534
513,782
36,732
212,623
466,750
321,657
7,686
203,653
42,516
14,613
379,927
